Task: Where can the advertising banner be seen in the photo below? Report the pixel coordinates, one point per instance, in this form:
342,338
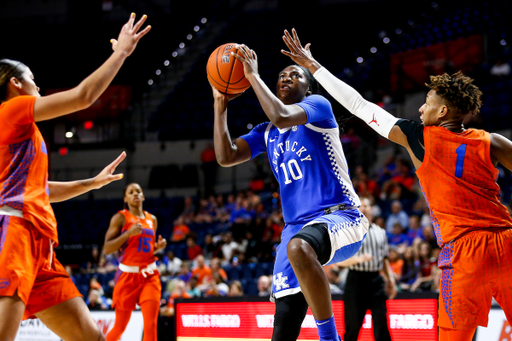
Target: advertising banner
35,330
409,319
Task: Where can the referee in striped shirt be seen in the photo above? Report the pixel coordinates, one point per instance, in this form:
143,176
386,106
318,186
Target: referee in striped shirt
366,288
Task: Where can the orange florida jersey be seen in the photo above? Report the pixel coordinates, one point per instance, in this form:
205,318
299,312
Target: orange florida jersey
24,165
458,180
138,250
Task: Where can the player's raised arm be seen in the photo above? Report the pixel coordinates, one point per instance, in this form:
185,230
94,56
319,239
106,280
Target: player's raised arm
229,153
65,190
88,91
279,112
377,118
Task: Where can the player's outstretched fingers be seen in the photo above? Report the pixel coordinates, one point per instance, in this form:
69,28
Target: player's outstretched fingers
296,37
139,23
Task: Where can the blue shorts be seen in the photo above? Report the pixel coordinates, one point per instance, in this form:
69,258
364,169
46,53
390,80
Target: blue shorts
347,230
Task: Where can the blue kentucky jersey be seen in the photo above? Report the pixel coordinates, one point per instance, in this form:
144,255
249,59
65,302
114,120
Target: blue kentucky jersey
308,162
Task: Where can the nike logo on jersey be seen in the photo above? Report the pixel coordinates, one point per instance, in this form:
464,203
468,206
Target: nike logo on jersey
374,121
272,140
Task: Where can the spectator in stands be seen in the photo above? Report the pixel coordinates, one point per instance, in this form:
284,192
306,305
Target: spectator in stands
94,260
209,166
414,230
95,285
192,288
203,213
193,250
427,234
228,248
202,271
252,249
223,215
215,267
178,292
211,249
180,230
364,186
241,217
379,221
426,263
217,286
333,275
397,215
500,69
387,171
275,223
235,289
395,262
185,273
397,237
189,210
409,269
264,285
173,263
230,203
95,301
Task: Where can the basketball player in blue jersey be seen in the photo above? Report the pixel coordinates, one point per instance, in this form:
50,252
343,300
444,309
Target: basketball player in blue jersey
320,206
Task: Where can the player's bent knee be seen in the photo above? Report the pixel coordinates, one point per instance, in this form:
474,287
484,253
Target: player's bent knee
312,240
297,249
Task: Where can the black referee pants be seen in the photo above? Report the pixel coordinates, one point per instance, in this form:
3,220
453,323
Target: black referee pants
363,291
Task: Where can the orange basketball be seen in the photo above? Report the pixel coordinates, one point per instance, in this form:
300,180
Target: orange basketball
225,72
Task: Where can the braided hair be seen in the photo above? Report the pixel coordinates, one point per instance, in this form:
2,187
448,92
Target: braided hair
8,69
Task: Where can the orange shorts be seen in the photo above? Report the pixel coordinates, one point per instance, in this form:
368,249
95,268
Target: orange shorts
475,268
29,268
133,288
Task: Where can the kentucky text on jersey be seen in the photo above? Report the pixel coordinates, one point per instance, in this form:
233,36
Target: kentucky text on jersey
307,161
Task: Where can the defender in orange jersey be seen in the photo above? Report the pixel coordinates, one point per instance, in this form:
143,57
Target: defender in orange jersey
132,231
32,281
457,172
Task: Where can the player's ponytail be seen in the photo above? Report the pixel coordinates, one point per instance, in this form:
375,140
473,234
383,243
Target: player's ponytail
8,69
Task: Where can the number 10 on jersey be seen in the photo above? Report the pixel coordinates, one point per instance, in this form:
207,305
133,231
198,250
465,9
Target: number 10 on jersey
294,169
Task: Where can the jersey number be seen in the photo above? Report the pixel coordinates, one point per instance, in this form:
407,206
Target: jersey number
144,244
295,173
461,153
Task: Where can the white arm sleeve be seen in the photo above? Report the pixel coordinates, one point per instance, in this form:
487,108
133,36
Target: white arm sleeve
377,118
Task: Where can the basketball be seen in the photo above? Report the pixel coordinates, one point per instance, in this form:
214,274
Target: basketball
225,72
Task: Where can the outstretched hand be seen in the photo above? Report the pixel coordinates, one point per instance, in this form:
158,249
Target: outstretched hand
128,38
300,55
107,175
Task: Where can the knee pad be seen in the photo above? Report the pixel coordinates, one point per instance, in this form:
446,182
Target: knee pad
317,236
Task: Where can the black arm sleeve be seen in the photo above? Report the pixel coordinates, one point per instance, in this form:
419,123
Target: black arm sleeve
414,132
